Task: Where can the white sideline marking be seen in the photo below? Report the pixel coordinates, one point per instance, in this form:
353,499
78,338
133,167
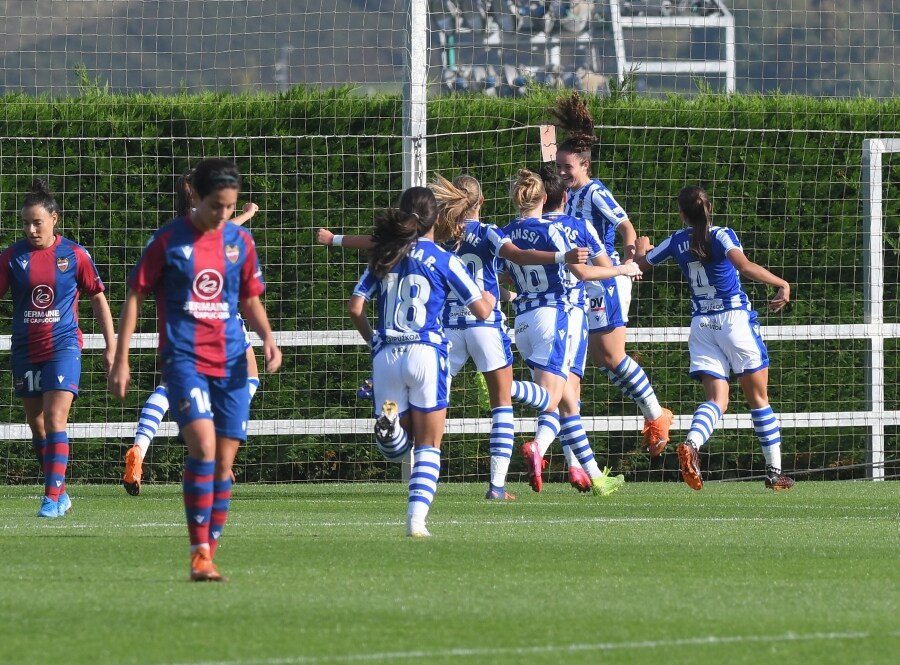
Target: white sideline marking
464,652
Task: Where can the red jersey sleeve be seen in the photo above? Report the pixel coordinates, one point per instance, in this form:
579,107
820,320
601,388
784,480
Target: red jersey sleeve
148,271
252,283
88,276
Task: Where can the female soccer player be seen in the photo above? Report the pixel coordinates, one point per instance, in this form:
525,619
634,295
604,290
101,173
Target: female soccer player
549,327
609,301
158,403
479,245
199,268
46,274
410,278
725,334
580,232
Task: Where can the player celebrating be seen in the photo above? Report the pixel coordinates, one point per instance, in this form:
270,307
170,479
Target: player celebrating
724,334
610,299
410,278
199,268
480,245
549,328
46,273
580,232
158,403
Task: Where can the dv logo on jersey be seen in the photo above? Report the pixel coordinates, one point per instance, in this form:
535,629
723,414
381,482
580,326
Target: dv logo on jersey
42,296
208,284
62,263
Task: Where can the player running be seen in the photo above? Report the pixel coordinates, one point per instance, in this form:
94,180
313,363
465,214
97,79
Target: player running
549,328
725,334
589,199
409,277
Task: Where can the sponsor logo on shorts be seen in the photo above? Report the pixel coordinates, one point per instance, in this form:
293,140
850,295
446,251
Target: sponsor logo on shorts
184,406
400,339
711,325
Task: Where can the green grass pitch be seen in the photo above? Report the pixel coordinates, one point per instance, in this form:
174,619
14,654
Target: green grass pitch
655,573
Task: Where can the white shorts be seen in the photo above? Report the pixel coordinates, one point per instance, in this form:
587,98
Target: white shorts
547,338
412,375
581,346
609,304
487,346
726,342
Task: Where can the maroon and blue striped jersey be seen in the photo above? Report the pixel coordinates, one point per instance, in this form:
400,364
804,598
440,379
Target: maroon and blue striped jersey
45,285
198,279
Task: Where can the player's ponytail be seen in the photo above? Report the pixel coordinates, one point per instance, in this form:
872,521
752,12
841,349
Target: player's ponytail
696,209
553,186
527,191
454,205
184,194
395,232
39,195
397,229
571,115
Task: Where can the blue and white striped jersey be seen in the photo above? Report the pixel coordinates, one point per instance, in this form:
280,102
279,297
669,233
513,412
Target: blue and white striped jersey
715,285
539,286
410,298
595,203
479,251
580,233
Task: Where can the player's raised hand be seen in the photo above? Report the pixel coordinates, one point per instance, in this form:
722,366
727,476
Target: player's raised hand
642,246
324,237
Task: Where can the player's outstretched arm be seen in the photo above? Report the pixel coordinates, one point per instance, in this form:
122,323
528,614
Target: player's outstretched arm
120,373
642,248
592,273
255,315
536,257
329,239
250,209
100,306
757,273
629,237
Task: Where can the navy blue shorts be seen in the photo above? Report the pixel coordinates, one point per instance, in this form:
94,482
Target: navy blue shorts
33,379
194,396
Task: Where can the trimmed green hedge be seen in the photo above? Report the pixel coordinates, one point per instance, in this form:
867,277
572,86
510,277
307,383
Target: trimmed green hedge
783,171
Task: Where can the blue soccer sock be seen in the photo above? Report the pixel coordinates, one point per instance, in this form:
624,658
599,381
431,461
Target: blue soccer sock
530,394
547,429
703,423
630,378
151,416
768,431
501,443
423,482
573,436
